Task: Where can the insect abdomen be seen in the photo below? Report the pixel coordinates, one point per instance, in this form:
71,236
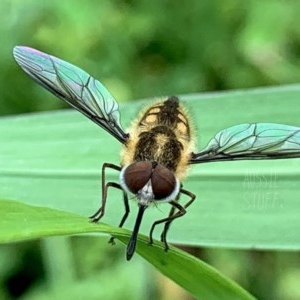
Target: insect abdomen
169,114
162,134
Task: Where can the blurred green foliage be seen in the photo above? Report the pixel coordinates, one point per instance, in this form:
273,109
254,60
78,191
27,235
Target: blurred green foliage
140,49
151,48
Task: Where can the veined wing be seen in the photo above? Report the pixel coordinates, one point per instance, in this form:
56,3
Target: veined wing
74,86
251,141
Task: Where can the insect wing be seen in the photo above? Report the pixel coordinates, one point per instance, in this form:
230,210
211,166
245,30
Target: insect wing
251,141
74,86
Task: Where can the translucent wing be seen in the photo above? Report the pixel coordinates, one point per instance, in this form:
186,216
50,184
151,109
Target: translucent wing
74,86
251,141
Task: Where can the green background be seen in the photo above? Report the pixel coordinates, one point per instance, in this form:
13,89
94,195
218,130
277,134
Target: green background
146,49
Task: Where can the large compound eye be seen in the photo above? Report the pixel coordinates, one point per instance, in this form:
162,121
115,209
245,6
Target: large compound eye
137,175
163,183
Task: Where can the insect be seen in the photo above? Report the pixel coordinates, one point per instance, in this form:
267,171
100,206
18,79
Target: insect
159,145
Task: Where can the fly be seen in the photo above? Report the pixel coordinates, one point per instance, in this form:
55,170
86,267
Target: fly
159,146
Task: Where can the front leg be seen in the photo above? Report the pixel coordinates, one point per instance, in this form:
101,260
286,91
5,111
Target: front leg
172,216
100,212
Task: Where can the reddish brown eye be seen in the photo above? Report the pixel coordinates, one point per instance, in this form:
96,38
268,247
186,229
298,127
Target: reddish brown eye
163,182
137,175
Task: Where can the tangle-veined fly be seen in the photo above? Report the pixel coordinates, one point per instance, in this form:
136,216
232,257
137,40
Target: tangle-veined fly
159,146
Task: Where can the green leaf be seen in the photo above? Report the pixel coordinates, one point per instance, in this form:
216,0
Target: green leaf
20,221
54,160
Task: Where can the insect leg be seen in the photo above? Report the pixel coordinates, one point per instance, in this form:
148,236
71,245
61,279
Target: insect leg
172,210
167,224
127,209
100,212
172,216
